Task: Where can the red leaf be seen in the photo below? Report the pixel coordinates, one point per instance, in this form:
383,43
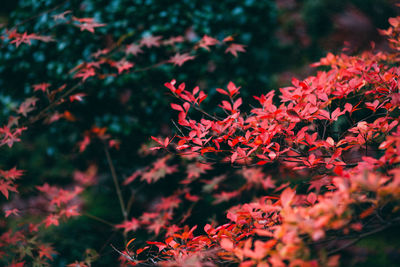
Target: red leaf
150,41
179,59
235,48
176,107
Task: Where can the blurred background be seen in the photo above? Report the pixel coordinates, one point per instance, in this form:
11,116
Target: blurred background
281,38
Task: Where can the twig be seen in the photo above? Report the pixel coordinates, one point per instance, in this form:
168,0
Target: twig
116,184
54,103
97,219
40,14
349,244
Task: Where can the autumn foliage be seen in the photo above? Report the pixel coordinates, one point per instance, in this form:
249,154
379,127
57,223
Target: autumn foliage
302,173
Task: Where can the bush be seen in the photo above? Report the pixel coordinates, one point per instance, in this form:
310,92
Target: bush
77,105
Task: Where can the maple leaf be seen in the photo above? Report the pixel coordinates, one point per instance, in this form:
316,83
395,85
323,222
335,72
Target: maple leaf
122,65
318,183
100,52
159,170
129,226
173,40
61,16
87,24
194,170
27,106
70,211
10,136
26,38
164,144
225,196
158,224
45,39
132,177
51,219
45,250
21,38
64,196
77,97
213,184
85,73
159,245
87,177
235,48
84,143
168,203
207,41
150,41
179,59
6,186
42,87
12,173
133,49
9,212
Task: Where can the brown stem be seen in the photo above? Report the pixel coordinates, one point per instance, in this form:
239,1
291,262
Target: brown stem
116,184
54,103
374,231
97,219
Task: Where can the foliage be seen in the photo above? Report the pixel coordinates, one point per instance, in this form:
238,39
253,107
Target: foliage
76,67
338,130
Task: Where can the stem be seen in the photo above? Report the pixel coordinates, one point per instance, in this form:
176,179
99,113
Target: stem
115,179
97,219
349,244
54,103
40,14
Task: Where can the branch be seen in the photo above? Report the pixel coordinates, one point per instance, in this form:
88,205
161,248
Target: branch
116,184
353,242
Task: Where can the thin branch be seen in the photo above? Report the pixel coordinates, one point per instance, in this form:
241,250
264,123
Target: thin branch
363,235
54,103
97,219
116,184
40,14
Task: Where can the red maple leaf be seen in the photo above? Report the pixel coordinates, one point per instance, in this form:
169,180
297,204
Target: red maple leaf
318,183
87,24
70,211
6,186
64,196
27,106
51,219
76,97
194,170
129,226
133,49
42,87
122,65
45,250
26,38
179,59
235,48
173,40
100,52
12,173
207,41
9,212
85,73
150,41
10,136
61,16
